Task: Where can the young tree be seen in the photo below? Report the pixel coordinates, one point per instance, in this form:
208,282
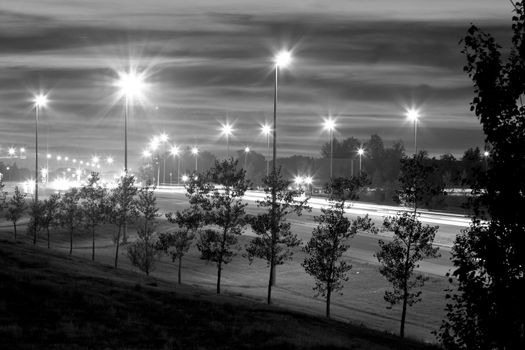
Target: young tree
330,239
49,216
275,246
93,201
3,194
70,213
416,182
142,252
121,208
412,243
36,209
16,207
219,195
177,243
486,309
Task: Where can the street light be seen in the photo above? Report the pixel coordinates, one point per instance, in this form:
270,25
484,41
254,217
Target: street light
109,160
195,152
175,153
281,60
413,115
11,151
246,151
360,152
266,130
227,130
131,86
329,124
40,102
486,155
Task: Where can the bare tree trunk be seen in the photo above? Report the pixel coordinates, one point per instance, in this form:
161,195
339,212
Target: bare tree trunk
48,242
405,289
219,276
14,224
70,241
180,267
34,229
328,295
269,299
118,244
93,251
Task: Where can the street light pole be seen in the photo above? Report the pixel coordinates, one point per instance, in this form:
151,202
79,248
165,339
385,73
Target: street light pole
36,154
331,152
413,115
246,151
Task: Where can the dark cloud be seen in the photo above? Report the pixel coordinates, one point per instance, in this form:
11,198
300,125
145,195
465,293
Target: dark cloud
210,66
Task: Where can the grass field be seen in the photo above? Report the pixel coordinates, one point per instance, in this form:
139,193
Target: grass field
361,304
52,300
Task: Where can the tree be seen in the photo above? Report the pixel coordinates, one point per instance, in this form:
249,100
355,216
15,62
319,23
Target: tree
330,239
3,194
412,242
121,208
219,194
486,309
142,252
416,182
70,213
49,216
93,201
177,243
16,207
275,246
35,214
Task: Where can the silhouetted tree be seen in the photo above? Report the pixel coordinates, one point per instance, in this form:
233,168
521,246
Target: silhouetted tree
486,309
417,181
93,201
70,214
121,208
275,246
330,239
177,243
50,207
36,209
412,243
219,194
142,252
16,206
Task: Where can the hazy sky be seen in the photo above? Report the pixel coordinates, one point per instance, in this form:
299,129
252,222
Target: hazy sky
362,62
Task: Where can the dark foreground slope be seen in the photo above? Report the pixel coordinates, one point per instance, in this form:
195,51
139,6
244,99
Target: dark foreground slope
52,300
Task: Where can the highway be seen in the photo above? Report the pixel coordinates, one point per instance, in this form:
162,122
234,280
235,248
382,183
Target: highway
363,245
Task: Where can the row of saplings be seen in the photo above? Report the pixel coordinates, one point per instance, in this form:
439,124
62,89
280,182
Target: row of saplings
216,214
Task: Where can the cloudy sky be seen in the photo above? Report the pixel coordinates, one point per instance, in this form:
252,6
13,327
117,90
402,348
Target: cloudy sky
208,62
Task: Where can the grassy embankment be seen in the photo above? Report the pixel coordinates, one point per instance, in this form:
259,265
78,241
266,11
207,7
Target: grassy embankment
52,300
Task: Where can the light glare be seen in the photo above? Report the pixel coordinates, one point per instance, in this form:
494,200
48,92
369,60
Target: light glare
283,59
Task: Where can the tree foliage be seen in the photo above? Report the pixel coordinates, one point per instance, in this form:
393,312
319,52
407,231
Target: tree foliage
16,206
274,240
330,239
121,209
177,243
49,217
412,242
70,214
93,202
417,183
486,310
219,194
142,252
